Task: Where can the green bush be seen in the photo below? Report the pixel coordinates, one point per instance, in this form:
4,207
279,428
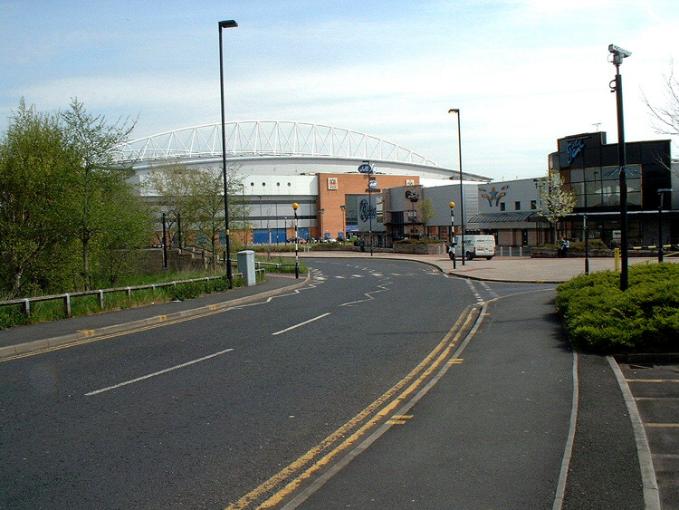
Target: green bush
599,317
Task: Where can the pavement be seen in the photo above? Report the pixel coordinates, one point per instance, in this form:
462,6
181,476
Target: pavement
649,388
501,269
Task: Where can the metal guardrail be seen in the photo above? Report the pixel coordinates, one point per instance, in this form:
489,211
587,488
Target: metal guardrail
25,303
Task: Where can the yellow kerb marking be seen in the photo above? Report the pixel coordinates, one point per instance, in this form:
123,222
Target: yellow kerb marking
662,425
87,332
456,361
279,496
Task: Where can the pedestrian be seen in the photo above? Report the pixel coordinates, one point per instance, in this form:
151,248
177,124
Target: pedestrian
566,246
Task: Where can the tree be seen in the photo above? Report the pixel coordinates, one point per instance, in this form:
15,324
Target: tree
557,202
427,210
173,185
35,205
92,141
666,118
197,194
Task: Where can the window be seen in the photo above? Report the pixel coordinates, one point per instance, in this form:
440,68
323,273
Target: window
502,206
517,206
533,204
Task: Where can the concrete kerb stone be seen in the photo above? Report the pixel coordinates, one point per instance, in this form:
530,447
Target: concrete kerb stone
498,280
95,334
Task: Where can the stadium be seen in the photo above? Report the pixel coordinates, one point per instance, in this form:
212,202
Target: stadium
281,162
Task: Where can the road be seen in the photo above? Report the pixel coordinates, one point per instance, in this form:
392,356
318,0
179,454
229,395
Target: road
252,405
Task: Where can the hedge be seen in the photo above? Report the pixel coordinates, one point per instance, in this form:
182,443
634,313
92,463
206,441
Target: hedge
599,317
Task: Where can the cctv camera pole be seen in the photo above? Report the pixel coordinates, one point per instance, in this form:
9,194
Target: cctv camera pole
618,56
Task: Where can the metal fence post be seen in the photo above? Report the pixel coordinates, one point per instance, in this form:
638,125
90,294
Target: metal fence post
67,305
27,308
101,299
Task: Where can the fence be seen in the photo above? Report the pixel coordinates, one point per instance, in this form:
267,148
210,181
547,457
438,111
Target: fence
513,251
25,303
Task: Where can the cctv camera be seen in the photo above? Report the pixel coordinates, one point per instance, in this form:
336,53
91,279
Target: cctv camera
618,53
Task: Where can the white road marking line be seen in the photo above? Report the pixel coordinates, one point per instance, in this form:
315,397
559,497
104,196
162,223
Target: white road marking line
357,276
300,324
164,371
340,277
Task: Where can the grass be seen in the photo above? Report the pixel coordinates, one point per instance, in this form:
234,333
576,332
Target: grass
45,311
599,317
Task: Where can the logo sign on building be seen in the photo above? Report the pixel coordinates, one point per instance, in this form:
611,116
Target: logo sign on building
365,168
332,183
412,196
410,182
372,184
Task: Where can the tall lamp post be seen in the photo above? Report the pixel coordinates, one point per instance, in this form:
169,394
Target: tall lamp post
618,55
295,206
459,153
227,259
661,193
451,204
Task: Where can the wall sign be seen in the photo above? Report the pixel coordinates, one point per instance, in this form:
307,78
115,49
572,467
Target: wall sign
332,183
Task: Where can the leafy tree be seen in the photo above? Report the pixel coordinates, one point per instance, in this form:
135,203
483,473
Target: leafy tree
93,141
197,194
557,201
173,185
35,205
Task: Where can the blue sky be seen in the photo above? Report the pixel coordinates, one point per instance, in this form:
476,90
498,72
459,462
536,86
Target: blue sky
523,72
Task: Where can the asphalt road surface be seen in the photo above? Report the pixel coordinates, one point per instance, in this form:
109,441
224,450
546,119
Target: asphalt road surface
254,405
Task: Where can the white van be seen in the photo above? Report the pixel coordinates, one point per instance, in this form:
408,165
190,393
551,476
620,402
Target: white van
474,246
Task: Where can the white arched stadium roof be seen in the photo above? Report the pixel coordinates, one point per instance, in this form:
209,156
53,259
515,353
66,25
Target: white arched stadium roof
267,139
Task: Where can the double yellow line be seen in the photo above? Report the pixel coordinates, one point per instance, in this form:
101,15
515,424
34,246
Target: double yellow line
284,483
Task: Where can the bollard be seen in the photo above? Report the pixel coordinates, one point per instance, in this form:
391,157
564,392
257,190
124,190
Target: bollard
616,258
101,299
27,307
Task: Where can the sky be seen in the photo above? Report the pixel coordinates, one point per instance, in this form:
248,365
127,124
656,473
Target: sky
522,72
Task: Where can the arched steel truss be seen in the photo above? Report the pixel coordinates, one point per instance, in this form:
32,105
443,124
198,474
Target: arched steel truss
267,139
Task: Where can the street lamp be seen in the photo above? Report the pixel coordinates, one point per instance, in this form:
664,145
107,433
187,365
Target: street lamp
618,54
295,206
661,193
451,204
459,152
229,275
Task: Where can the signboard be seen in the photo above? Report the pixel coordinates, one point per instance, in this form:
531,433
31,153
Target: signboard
412,196
332,183
365,168
410,182
372,184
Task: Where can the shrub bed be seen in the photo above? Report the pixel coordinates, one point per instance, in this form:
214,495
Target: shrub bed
645,318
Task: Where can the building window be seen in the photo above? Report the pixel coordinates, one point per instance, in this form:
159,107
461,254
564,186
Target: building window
517,206
533,204
502,206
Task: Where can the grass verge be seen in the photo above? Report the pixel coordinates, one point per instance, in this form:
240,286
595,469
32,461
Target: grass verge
45,311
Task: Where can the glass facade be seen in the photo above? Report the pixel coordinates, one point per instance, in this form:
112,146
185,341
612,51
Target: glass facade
599,187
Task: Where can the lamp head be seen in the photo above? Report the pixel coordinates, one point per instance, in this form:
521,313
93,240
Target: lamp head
454,110
451,204
229,23
295,206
